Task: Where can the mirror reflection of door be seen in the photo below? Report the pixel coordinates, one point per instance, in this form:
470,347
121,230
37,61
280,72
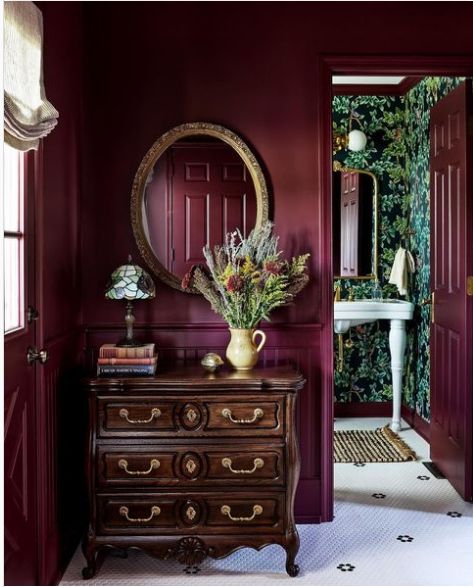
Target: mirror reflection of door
353,223
199,190
349,220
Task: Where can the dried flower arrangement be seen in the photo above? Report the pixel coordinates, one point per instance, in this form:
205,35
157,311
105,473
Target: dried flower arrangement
246,278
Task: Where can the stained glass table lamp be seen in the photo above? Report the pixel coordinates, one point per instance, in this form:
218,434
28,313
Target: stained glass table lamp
130,282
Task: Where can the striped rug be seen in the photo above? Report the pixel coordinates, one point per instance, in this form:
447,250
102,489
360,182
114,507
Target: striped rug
371,446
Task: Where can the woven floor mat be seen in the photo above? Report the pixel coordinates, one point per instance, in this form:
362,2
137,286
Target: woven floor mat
371,446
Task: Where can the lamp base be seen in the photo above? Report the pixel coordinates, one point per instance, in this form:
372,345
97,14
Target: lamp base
129,343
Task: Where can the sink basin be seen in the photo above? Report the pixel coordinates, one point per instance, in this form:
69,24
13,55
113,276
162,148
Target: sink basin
348,314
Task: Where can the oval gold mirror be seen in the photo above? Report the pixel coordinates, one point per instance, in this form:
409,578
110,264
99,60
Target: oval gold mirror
355,223
196,183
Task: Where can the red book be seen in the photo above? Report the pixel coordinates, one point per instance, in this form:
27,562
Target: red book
111,351
127,361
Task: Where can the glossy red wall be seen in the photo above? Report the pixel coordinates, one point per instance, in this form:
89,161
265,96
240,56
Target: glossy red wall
148,66
62,154
147,76
249,66
60,409
255,68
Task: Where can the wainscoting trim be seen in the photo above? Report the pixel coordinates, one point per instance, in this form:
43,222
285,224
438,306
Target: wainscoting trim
363,409
421,426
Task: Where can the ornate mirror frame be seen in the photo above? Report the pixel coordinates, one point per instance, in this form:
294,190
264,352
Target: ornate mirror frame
337,166
146,165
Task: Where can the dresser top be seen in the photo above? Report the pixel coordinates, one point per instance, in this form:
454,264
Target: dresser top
195,376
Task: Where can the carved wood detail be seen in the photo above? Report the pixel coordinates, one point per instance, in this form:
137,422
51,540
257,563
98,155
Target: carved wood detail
191,465
189,551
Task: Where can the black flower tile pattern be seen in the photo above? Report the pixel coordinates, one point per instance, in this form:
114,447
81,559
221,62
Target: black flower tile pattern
454,514
360,464
423,477
344,567
192,570
378,495
404,538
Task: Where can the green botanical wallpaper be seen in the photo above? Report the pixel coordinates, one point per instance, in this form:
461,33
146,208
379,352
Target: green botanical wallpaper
398,154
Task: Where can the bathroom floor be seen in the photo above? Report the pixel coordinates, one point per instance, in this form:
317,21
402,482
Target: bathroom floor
395,524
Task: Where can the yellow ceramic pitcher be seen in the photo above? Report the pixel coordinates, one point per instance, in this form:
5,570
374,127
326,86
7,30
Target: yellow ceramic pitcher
242,352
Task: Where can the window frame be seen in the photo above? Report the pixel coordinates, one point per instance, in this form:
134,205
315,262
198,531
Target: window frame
21,236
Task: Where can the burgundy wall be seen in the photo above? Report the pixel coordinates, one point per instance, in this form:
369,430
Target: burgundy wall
62,169
255,69
147,76
252,68
60,417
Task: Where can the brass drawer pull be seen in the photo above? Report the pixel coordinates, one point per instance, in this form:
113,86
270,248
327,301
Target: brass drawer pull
226,511
257,415
155,511
257,464
155,413
154,464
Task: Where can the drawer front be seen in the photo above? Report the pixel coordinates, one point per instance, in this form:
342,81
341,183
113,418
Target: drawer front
144,417
259,466
245,416
231,513
187,417
175,465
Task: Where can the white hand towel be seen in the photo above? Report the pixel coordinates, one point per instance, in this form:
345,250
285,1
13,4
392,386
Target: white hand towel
403,264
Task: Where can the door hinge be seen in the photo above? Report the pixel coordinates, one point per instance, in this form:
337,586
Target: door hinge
32,314
469,285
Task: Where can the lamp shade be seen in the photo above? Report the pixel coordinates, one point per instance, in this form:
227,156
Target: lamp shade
130,282
356,140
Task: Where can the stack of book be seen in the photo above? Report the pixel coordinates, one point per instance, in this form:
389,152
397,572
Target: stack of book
126,361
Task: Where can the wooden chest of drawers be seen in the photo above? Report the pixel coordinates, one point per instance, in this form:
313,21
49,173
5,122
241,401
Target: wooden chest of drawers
189,465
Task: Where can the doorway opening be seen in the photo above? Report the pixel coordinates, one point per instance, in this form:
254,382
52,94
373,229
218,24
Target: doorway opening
389,255
380,499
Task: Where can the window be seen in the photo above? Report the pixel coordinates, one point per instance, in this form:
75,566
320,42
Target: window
14,237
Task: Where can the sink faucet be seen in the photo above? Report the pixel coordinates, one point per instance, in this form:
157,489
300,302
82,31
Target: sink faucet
351,295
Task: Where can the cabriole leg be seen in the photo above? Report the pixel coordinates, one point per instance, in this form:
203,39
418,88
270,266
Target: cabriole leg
292,548
91,556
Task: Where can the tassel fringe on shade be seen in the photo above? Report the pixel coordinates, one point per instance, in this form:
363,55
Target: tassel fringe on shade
28,116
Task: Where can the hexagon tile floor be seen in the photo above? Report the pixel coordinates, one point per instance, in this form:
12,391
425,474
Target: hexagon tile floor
395,524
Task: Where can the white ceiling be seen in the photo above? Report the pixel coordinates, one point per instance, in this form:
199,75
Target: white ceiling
367,79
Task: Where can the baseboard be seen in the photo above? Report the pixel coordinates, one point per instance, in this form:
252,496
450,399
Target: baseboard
363,409
421,426
308,519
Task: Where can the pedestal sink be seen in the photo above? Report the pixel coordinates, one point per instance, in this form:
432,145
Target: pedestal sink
348,314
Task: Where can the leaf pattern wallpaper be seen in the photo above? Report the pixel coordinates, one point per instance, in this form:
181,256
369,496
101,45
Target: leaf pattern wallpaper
397,152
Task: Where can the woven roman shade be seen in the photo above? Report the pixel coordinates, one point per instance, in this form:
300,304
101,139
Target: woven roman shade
28,115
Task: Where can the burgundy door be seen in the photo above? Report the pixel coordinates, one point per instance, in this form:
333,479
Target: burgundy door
20,528
349,222
212,194
452,309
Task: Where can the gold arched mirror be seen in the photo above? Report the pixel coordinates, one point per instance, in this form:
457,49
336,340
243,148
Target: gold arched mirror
196,183
355,223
